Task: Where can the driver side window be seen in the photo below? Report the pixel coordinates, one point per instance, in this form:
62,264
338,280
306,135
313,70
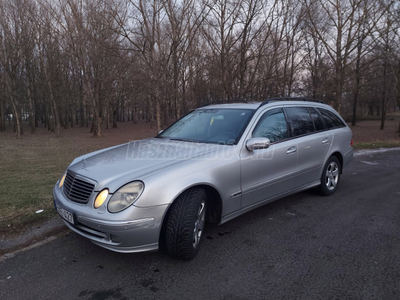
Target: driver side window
272,125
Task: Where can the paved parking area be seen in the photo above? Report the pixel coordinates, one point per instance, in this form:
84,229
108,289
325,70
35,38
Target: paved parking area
306,246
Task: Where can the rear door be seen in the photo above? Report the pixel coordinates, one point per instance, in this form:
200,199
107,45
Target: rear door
313,142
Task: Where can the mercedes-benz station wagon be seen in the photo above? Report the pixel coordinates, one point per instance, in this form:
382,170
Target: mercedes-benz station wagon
214,164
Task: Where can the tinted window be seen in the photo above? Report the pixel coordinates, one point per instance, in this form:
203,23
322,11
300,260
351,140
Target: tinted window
318,122
272,125
300,120
331,120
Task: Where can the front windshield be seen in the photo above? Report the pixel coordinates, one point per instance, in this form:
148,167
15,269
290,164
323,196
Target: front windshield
222,126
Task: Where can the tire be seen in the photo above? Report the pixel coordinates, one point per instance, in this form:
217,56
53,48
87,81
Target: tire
185,225
330,176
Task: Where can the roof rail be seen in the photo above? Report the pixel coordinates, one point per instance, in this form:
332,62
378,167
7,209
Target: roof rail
290,99
223,102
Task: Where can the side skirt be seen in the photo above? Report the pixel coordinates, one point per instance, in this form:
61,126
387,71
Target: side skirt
269,200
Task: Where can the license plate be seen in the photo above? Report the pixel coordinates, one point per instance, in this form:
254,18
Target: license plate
65,214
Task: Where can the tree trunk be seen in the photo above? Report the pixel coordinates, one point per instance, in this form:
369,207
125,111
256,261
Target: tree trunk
398,91
54,104
115,119
31,110
16,116
47,118
2,118
383,116
92,127
370,110
55,114
66,116
82,98
16,120
98,125
338,97
62,119
158,114
134,115
398,131
37,116
21,128
108,118
354,118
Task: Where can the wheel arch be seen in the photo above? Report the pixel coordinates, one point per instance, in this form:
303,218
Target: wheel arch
339,156
213,212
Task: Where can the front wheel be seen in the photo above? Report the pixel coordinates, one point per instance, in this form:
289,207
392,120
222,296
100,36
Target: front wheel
185,224
330,176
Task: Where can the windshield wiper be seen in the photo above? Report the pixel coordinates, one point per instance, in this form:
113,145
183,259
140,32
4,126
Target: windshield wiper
185,140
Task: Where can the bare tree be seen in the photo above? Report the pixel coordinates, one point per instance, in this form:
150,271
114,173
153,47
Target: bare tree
338,25
100,62
184,21
387,44
140,24
12,16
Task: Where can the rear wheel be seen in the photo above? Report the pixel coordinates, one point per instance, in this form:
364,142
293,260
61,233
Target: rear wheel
185,224
330,176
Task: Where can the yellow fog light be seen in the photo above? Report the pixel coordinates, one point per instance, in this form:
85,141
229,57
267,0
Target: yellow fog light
62,180
101,198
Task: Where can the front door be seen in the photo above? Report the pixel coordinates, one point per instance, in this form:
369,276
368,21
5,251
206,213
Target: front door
268,173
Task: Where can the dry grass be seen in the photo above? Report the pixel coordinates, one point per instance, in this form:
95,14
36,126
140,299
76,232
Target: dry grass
30,167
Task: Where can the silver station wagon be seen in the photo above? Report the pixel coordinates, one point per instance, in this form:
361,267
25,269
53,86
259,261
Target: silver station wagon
212,165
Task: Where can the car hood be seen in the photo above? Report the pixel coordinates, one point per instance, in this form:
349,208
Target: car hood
136,160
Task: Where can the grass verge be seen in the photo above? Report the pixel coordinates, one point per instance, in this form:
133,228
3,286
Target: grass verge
31,166
377,145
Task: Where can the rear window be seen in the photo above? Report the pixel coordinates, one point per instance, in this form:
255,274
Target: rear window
300,120
331,119
318,122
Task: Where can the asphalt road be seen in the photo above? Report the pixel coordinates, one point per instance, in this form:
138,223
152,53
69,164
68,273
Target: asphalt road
306,246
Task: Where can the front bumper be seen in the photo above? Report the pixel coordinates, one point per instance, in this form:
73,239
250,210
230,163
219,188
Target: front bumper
132,230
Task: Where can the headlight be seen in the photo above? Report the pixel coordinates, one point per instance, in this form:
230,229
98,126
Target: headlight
125,196
62,180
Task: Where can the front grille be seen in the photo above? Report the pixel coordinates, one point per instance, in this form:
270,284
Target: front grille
77,188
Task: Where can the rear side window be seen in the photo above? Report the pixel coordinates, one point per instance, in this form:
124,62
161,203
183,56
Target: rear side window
300,120
272,125
331,120
318,122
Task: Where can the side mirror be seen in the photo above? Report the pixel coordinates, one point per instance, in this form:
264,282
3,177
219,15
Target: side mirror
160,131
257,143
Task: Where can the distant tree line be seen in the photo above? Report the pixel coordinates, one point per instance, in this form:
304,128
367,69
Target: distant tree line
93,63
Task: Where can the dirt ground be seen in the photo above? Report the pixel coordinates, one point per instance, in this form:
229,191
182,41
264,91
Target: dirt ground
368,133
30,167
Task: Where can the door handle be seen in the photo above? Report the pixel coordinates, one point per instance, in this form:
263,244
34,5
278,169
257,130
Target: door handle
291,150
325,141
